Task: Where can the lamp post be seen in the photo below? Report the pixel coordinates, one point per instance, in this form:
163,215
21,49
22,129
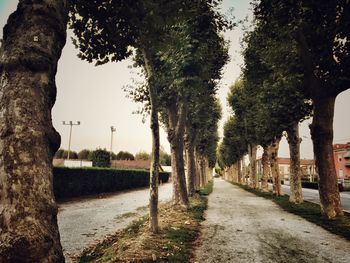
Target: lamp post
113,129
71,124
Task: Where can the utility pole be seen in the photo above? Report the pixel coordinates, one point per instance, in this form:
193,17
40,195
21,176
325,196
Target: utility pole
71,124
113,129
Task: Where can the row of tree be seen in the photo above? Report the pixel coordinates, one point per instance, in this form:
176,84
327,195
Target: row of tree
85,154
181,52
297,60
179,46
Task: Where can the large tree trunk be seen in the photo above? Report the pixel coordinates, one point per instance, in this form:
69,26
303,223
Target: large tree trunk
273,157
265,171
252,148
322,138
296,195
177,117
191,163
33,40
154,171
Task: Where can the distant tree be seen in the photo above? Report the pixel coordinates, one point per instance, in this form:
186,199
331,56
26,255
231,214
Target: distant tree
123,156
84,154
59,154
142,155
72,155
164,158
100,158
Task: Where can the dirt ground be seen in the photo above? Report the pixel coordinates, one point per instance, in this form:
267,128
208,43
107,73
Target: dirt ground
242,227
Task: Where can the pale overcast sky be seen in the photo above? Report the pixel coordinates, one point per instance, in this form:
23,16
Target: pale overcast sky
94,96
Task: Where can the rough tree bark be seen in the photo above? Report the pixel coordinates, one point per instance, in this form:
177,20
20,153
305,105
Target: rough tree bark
296,195
322,138
323,97
191,163
265,172
33,40
177,117
154,171
273,157
252,148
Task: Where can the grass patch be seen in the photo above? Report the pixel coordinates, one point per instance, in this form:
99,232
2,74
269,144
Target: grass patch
309,211
206,190
178,231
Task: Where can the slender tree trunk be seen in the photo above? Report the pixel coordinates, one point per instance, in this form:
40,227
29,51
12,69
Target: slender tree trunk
265,172
177,117
252,159
201,170
154,171
322,138
239,172
273,156
296,195
176,190
33,40
244,169
197,175
191,165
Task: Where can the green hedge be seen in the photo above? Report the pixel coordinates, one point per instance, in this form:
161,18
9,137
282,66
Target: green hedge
74,182
314,185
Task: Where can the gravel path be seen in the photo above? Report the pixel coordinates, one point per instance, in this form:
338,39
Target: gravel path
81,222
242,227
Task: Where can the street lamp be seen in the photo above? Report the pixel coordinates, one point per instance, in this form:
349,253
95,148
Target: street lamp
113,129
71,124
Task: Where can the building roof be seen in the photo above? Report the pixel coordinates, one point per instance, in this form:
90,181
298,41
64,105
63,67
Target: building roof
302,161
340,147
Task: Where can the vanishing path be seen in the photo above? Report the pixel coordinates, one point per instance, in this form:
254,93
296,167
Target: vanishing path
241,227
83,221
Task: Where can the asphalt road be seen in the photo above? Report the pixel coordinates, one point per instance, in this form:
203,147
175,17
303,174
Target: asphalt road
84,221
312,195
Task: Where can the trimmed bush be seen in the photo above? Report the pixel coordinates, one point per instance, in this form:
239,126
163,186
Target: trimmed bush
314,185
124,156
100,158
311,185
84,154
74,182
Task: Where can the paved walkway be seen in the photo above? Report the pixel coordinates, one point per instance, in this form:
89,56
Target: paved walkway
242,227
84,221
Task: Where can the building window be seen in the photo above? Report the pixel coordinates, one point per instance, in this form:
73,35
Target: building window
339,157
341,174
